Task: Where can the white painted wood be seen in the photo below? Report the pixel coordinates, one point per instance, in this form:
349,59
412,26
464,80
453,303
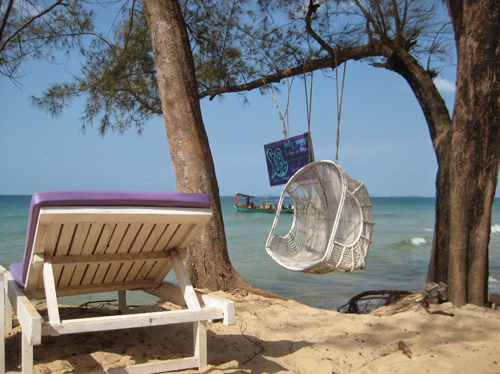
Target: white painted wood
172,293
182,252
104,238
92,238
169,292
116,237
178,239
142,237
125,247
128,321
155,236
65,274
34,272
166,236
101,272
35,268
114,243
94,288
27,315
65,237
47,245
81,234
135,268
27,354
50,293
99,249
86,274
63,248
157,367
2,321
123,214
8,314
129,236
7,305
90,272
112,257
141,269
160,271
227,306
184,283
200,343
138,248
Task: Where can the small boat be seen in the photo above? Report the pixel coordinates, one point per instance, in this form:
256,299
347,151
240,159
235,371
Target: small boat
268,204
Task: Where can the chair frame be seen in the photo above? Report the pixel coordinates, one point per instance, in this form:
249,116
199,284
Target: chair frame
290,251
45,278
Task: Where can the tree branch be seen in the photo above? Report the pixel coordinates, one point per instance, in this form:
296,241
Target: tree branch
374,49
129,29
420,80
310,11
30,21
6,17
369,19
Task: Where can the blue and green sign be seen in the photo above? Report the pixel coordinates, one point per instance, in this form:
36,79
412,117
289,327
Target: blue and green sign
285,157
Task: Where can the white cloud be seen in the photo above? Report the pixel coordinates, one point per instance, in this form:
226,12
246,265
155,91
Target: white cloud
444,85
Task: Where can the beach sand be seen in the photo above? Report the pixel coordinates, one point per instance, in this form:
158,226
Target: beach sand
276,336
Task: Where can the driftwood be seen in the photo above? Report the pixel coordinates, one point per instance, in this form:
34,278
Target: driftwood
91,303
426,306
367,301
404,348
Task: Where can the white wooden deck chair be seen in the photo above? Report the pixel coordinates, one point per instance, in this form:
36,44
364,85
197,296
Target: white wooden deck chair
85,242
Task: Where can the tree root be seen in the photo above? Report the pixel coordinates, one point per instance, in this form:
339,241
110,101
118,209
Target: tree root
371,300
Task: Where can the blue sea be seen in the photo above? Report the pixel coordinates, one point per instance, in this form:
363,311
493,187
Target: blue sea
397,260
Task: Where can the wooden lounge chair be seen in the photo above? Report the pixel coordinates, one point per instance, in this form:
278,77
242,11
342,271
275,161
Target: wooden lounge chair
86,242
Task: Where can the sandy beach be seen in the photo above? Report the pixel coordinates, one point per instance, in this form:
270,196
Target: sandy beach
277,336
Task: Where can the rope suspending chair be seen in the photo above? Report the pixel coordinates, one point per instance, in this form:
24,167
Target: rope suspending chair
332,221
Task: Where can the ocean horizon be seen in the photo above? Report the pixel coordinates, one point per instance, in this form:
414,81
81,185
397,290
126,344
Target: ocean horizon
398,258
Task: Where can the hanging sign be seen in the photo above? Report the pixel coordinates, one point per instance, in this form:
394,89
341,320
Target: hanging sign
285,157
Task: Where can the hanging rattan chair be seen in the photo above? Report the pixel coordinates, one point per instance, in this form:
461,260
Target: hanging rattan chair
332,221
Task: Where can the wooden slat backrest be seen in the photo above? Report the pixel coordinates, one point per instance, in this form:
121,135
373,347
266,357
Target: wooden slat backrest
109,248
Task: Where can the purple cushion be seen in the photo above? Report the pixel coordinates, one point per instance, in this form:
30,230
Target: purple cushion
98,198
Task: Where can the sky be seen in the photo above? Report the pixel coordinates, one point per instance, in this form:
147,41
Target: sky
384,139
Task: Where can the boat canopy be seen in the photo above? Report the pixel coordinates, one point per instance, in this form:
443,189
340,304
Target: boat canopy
244,195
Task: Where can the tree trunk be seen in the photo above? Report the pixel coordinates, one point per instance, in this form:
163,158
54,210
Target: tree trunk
208,262
467,149
466,187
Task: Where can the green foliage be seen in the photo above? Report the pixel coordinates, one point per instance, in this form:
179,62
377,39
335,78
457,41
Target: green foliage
213,31
416,26
118,80
36,30
235,42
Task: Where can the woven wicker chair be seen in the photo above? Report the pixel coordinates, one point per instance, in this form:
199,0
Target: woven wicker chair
332,222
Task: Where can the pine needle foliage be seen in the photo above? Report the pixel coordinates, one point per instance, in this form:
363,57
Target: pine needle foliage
237,45
37,29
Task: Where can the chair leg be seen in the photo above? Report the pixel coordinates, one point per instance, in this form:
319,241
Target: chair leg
8,313
2,323
6,303
27,355
200,343
122,301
